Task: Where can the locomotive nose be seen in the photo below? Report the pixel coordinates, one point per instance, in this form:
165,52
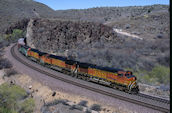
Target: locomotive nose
135,78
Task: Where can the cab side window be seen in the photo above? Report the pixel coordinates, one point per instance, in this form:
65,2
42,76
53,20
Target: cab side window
120,75
127,75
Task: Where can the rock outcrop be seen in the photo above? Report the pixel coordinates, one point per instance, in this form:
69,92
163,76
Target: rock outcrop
50,35
29,34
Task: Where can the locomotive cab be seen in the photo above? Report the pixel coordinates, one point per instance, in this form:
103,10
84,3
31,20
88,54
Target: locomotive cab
130,81
121,73
128,73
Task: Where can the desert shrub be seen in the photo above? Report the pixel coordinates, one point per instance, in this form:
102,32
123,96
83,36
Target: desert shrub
63,101
7,37
4,63
83,103
158,75
4,43
78,107
15,35
149,79
6,110
164,60
57,101
10,72
11,99
27,106
88,111
96,107
162,74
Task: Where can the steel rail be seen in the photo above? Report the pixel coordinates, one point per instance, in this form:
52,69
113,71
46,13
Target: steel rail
164,108
154,98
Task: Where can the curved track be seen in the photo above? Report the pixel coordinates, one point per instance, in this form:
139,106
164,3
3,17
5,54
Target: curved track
140,99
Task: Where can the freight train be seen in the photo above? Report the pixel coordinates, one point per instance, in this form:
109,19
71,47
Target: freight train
112,77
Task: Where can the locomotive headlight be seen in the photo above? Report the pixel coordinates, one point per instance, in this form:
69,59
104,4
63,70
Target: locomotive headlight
134,78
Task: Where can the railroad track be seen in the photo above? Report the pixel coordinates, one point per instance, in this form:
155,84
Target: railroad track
154,98
140,99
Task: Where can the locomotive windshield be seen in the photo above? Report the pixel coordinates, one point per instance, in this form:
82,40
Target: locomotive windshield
128,73
121,73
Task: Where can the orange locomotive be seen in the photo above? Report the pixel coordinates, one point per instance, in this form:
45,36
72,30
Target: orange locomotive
116,78
120,79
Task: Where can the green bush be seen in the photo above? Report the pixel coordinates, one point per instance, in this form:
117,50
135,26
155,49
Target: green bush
7,37
13,99
27,106
158,75
16,34
162,74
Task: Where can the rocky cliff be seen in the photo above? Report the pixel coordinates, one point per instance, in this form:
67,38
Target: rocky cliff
57,36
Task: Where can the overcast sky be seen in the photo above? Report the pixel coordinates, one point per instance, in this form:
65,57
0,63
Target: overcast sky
83,4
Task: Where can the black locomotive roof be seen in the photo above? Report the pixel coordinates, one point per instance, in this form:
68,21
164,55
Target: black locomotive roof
84,65
57,57
26,47
106,68
111,69
34,50
70,62
42,53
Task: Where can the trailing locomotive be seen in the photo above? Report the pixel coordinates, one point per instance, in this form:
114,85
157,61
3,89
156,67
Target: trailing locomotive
112,77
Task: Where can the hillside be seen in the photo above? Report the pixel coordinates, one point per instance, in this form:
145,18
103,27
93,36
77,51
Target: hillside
12,11
147,26
104,14
145,21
